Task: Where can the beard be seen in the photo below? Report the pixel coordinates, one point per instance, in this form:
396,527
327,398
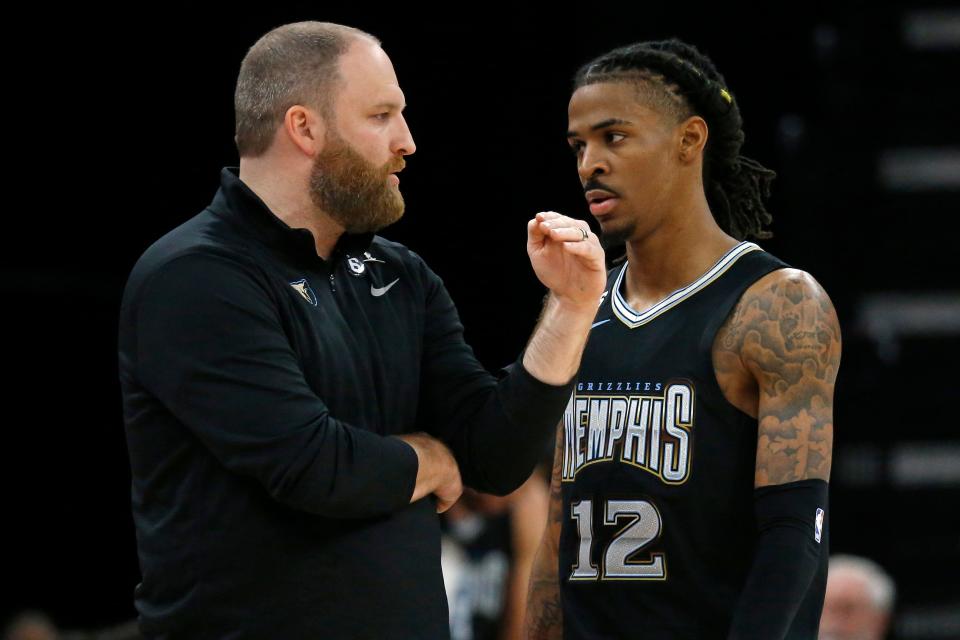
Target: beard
614,238
352,191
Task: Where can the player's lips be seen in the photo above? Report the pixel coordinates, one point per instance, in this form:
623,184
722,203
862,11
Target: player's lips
394,179
601,201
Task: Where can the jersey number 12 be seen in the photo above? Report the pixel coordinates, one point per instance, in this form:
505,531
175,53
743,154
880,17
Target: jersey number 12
642,528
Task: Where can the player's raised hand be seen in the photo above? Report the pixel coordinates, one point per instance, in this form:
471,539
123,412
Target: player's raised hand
567,258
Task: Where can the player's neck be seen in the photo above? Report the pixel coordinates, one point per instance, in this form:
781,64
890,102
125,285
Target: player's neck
681,249
286,195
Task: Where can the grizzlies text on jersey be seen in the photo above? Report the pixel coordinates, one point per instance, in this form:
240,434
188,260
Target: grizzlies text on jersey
657,467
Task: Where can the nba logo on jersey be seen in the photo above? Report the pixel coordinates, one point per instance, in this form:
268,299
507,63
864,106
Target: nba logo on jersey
819,525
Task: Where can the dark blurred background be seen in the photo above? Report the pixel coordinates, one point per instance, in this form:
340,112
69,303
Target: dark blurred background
124,120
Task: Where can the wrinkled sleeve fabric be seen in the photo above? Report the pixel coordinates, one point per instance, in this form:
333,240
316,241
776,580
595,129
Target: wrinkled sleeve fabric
496,429
212,349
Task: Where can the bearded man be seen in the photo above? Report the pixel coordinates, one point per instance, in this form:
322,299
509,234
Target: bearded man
298,397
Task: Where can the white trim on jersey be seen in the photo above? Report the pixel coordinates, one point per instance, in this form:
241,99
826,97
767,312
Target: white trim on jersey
633,319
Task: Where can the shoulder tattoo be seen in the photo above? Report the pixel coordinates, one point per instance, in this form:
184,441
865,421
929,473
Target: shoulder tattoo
787,335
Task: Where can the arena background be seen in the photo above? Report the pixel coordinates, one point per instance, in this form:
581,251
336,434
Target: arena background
124,122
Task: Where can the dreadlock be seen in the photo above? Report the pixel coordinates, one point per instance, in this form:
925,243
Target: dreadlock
735,186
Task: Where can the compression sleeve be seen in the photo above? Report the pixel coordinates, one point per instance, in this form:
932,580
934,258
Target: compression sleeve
791,549
496,429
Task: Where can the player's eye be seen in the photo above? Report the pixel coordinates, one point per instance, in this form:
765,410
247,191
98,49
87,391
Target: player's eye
613,137
382,117
576,147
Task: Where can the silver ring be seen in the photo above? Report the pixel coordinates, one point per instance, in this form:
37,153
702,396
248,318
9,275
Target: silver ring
584,232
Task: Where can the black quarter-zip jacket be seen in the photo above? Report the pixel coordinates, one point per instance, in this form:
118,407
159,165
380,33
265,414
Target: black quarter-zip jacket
261,385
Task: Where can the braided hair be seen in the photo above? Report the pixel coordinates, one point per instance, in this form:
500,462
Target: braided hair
689,85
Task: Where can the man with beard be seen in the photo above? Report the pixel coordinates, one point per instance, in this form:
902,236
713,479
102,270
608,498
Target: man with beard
298,397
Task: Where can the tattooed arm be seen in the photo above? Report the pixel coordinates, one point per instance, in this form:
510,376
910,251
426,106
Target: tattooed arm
544,616
788,339
777,358
529,506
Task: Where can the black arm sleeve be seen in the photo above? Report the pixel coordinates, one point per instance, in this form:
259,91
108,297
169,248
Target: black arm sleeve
790,557
211,348
497,430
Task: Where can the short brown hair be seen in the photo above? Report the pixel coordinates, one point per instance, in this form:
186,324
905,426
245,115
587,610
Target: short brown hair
292,64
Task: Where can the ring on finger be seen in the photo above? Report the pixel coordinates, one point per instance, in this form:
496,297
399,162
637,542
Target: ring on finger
584,232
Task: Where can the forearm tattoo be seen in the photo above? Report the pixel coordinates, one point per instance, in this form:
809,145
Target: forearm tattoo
544,613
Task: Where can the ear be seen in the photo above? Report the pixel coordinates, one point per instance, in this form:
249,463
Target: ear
305,128
693,138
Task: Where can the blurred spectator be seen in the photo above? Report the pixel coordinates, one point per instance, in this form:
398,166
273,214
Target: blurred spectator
859,600
127,631
487,550
34,625
30,625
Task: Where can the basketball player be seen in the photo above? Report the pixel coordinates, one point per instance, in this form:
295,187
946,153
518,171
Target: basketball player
689,489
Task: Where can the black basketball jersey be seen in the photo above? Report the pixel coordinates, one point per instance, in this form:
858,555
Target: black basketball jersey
658,467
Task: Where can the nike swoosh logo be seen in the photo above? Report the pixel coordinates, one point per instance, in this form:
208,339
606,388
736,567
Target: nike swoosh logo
597,324
376,292
374,260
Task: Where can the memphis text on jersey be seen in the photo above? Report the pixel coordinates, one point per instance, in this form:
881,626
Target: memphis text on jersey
645,425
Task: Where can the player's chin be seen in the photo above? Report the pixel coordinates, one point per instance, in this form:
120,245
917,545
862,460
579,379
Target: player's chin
614,234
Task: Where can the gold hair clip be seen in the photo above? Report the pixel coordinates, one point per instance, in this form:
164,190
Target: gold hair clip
726,96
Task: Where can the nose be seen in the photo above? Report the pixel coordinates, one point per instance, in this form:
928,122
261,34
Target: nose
592,163
403,144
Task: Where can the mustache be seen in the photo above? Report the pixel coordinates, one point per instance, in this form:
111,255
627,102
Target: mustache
593,183
395,165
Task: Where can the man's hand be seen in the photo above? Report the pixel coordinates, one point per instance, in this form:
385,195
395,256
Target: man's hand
437,471
567,258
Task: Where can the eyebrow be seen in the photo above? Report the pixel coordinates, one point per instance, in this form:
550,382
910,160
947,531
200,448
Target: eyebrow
390,105
603,124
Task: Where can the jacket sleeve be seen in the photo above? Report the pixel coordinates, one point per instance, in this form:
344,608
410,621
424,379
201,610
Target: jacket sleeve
498,430
211,348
